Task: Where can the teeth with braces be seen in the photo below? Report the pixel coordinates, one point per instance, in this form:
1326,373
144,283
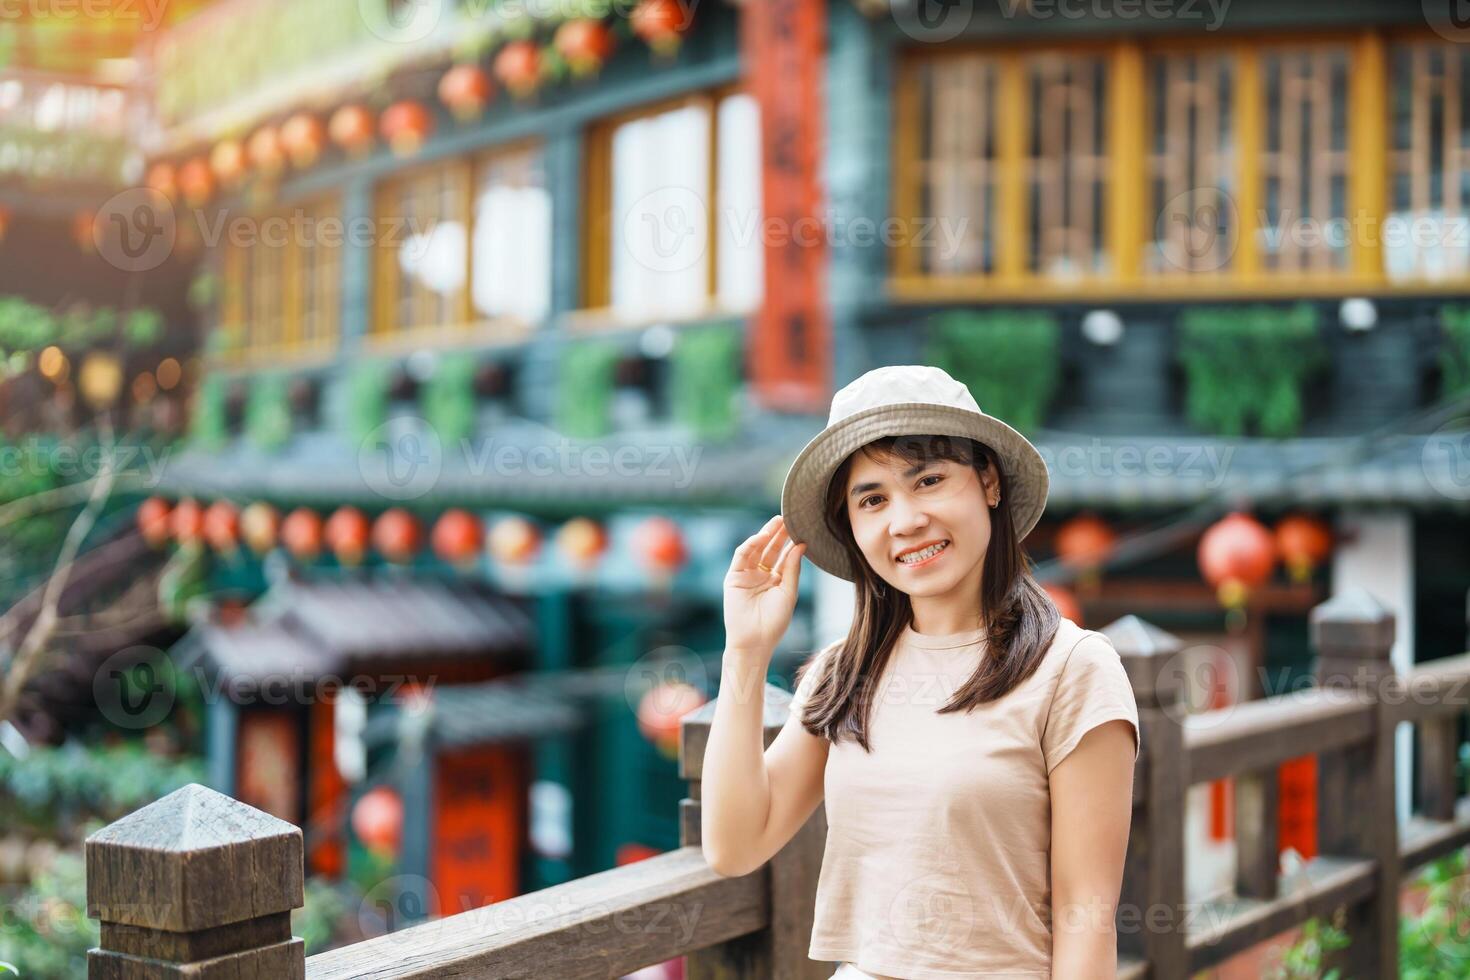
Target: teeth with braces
928,552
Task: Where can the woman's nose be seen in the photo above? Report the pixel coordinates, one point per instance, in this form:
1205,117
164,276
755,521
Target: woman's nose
907,516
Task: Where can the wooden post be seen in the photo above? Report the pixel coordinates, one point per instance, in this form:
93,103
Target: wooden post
196,885
1352,634
779,952
1152,916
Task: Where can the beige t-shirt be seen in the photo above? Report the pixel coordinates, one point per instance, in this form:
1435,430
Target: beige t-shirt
938,855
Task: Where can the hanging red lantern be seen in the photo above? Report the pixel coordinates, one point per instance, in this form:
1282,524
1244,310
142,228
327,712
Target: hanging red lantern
1083,544
229,162
582,540
397,535
265,150
406,125
347,532
1236,555
465,90
1302,543
661,23
260,526
660,545
584,43
457,536
377,819
196,181
4,222
514,541
188,521
518,67
302,533
82,231
351,128
163,177
303,137
154,522
661,708
222,527
1067,605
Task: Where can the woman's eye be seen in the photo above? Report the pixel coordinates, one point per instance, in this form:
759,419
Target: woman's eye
934,477
864,501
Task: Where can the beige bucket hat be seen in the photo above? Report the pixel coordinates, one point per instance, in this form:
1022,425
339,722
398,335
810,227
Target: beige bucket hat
903,399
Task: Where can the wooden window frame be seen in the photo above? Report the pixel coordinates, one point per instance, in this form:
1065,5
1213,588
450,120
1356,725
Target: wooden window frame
466,328
596,310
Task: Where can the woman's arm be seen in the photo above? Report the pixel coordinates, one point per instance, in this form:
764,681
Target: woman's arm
1091,813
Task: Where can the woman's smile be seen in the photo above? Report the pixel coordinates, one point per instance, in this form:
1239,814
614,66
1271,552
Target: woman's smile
924,556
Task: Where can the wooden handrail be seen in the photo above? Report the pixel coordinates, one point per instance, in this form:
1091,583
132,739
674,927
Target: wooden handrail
153,876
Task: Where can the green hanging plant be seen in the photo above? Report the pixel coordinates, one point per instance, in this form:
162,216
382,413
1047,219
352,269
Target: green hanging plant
1007,358
143,328
24,326
268,412
208,427
705,379
1454,353
448,398
367,398
1248,365
584,389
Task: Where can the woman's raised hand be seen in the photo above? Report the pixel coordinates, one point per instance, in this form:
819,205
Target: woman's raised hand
760,590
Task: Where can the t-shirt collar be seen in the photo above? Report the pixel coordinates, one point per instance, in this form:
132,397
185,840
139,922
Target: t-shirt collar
947,641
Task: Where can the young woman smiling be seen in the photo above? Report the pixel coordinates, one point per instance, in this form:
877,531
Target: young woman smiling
975,750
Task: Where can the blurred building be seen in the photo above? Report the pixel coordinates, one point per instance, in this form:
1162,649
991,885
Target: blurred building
580,274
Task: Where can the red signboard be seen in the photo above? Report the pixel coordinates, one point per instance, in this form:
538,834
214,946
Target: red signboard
479,824
782,42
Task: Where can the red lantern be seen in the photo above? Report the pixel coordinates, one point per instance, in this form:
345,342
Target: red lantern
661,708
377,819
260,525
153,521
660,23
228,161
4,222
582,540
302,534
586,44
397,535
1084,543
514,541
222,527
81,231
518,66
465,90
660,545
188,521
1236,554
1302,543
303,137
346,533
164,178
265,150
1067,605
196,181
406,125
351,127
457,536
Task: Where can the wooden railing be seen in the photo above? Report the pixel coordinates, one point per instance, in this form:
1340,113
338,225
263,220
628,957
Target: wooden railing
199,884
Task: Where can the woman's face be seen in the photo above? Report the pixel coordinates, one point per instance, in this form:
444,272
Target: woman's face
899,511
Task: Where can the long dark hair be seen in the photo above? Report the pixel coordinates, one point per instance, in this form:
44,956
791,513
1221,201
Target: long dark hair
1020,619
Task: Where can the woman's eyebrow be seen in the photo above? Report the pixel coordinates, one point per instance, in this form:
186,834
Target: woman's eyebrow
914,470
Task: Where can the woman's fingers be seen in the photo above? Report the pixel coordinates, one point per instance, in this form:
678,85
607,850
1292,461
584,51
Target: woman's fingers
771,554
745,555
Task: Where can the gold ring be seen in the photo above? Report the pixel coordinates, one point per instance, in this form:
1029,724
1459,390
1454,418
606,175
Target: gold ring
762,566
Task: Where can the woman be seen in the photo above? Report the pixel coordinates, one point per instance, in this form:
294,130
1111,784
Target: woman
975,750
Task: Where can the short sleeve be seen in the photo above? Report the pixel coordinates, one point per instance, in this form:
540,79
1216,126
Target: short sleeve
807,676
1093,688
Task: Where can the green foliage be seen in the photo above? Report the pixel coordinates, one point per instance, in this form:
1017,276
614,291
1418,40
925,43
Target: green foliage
143,328
25,326
705,379
1436,943
316,921
45,932
207,426
448,398
268,412
1303,959
184,578
1247,366
367,399
585,387
77,782
1008,360
1454,355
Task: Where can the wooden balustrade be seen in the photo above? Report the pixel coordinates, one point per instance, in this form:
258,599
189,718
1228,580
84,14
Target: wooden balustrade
202,886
